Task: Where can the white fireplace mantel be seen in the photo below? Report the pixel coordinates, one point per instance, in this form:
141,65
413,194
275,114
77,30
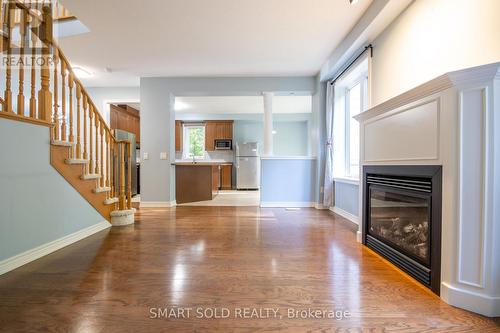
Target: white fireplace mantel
453,121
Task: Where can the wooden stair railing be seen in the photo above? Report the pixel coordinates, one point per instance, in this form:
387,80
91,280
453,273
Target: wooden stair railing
83,147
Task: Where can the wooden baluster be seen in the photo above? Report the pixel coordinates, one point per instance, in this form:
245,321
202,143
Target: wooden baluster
22,31
34,39
63,98
106,183
97,123
113,168
44,94
56,95
122,201
78,120
10,17
129,177
85,105
71,136
91,142
108,160
102,180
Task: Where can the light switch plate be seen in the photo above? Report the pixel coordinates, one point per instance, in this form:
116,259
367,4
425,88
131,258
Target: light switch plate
163,156
146,156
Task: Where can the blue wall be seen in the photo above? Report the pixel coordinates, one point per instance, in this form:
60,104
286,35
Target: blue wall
292,136
37,205
347,197
288,181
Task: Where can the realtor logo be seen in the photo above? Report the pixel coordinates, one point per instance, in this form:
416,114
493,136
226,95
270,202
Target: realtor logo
26,32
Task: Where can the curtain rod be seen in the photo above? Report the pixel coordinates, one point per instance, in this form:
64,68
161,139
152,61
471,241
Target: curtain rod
368,47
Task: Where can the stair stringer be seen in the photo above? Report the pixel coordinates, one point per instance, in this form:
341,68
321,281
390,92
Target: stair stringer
72,173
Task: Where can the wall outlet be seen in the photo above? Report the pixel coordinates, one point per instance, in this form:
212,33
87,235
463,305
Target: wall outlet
163,156
146,156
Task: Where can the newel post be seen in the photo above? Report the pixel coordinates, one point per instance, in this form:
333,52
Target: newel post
44,94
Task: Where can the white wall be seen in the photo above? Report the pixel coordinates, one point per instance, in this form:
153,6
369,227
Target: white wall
37,205
430,38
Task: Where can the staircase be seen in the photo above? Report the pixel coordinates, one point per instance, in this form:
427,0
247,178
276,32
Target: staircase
83,148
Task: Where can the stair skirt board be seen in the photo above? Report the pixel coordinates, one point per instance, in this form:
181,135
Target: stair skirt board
21,259
72,173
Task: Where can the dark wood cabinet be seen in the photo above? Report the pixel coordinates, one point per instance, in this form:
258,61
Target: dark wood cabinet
226,176
178,135
126,118
210,135
216,130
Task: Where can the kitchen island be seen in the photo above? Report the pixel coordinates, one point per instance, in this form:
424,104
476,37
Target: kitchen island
199,181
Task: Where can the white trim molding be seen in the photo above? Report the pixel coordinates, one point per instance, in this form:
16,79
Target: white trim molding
157,204
287,204
469,300
346,180
26,257
350,217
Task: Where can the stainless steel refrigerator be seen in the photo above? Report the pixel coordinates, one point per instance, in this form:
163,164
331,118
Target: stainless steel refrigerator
247,166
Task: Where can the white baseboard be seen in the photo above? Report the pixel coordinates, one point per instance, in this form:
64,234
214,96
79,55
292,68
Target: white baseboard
351,217
157,204
287,204
320,206
359,236
469,300
21,259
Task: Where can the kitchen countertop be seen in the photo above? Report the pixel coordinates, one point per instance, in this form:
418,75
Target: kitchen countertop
202,162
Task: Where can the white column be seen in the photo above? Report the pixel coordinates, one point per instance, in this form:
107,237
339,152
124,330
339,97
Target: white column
268,123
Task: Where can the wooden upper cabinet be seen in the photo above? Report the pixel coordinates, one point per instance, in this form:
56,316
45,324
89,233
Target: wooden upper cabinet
216,130
210,135
178,135
125,118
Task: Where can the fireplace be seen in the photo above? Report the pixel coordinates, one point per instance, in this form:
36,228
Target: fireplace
402,218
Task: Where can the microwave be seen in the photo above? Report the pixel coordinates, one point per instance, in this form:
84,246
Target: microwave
223,144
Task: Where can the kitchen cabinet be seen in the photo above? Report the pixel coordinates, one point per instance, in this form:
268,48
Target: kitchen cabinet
215,178
217,130
126,118
210,134
226,176
178,135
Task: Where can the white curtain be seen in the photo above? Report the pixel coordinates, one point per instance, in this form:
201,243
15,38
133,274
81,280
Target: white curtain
328,193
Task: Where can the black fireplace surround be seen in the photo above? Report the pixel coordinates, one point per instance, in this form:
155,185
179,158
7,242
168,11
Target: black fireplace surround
402,218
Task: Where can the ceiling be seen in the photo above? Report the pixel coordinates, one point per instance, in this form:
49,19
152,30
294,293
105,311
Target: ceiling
241,104
178,38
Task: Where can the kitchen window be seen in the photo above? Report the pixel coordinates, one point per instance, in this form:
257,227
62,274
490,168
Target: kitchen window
351,98
193,141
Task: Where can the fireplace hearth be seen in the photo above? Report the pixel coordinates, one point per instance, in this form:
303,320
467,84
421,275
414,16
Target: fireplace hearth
402,218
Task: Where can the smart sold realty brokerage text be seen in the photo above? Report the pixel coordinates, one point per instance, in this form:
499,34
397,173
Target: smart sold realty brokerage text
245,313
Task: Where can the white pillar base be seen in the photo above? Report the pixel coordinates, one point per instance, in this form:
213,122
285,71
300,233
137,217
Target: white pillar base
122,217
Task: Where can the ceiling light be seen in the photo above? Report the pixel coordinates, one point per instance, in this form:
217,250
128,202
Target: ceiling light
352,2
274,132
81,73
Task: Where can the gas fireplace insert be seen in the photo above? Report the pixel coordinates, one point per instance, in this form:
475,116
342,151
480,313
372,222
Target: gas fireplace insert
402,218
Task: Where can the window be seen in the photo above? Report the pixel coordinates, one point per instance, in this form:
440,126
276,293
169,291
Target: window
355,103
193,141
351,98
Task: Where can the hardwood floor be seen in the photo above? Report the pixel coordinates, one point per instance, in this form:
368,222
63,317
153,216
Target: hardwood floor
223,257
